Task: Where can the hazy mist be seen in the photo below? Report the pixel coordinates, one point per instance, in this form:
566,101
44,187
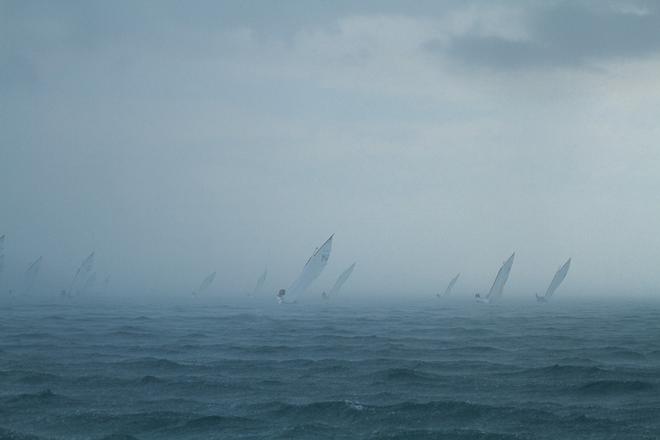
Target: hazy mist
175,139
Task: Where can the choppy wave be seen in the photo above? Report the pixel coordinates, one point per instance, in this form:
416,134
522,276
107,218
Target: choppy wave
38,378
150,380
405,375
570,371
152,364
616,387
303,373
439,434
6,434
119,437
215,424
34,400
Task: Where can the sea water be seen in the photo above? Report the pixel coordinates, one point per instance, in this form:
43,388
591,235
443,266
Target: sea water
425,371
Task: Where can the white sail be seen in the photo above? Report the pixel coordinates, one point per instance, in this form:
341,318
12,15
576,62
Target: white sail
450,286
31,275
205,284
557,279
340,281
312,269
500,280
260,283
81,276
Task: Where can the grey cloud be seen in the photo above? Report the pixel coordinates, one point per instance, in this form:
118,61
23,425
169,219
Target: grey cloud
497,52
563,35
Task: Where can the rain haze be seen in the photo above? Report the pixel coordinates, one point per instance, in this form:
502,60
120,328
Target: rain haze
329,220
175,139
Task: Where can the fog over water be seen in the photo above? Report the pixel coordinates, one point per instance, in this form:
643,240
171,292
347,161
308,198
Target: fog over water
176,139
185,187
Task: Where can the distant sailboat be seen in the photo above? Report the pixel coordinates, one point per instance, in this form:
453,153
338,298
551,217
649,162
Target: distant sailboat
450,286
81,276
556,282
340,282
311,271
260,283
31,275
205,284
500,281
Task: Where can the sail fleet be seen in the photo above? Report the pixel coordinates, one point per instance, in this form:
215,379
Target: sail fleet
84,279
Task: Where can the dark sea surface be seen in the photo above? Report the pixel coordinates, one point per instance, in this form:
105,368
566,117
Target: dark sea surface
425,371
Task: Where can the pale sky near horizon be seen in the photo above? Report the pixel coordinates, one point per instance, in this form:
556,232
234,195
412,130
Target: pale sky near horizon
178,138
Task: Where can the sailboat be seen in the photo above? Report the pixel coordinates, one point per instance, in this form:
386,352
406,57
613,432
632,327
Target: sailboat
260,283
450,286
205,284
556,282
497,288
340,282
310,272
82,273
31,275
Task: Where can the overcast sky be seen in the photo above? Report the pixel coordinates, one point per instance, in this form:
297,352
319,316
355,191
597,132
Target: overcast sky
178,138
